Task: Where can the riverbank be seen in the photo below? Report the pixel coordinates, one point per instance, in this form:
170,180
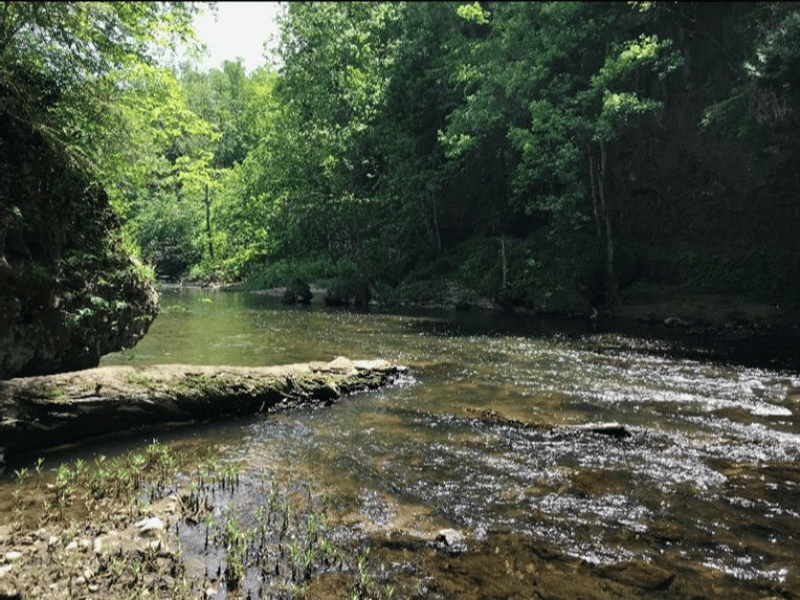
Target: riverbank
105,531
693,313
670,305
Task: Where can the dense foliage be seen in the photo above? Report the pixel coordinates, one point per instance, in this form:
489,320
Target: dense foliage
555,155
83,76
69,291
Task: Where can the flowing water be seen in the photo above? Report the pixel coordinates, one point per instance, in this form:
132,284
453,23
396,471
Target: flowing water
709,475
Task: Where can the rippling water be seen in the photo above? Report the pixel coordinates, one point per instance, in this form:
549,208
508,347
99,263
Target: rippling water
709,474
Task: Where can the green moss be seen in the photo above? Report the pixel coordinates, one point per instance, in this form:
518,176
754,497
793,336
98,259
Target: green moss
53,393
141,381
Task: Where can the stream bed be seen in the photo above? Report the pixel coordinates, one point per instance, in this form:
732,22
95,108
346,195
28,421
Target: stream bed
709,475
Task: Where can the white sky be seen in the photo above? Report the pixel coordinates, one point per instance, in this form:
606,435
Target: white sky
240,30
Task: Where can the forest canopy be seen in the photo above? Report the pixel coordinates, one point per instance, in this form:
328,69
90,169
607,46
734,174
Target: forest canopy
556,155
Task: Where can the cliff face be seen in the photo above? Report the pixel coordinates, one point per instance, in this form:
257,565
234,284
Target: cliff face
68,291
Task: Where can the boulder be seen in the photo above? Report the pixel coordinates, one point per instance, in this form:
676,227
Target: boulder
355,291
69,293
298,292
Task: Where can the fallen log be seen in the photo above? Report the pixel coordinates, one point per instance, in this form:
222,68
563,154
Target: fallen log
52,410
612,428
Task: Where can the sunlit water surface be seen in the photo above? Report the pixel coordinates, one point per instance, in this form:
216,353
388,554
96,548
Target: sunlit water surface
709,474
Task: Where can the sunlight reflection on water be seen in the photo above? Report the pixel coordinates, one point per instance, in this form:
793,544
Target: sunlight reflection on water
703,431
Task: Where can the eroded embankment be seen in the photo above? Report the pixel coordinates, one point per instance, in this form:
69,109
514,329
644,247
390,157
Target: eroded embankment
48,411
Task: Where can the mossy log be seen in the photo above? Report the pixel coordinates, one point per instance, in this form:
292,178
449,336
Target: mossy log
52,410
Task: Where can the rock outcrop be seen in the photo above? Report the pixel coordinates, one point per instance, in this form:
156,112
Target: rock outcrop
50,410
69,293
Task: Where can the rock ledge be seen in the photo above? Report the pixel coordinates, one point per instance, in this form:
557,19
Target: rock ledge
51,410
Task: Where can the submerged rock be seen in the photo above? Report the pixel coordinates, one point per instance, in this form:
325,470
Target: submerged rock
611,428
451,541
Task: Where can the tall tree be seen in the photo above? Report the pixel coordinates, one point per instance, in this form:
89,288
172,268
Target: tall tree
334,80
562,81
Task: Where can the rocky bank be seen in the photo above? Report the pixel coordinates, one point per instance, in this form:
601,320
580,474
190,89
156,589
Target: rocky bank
69,292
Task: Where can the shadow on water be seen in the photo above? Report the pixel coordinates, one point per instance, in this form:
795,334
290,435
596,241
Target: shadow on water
769,347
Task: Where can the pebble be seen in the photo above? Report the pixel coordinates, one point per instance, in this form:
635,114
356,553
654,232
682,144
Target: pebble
450,537
13,555
73,545
147,525
106,543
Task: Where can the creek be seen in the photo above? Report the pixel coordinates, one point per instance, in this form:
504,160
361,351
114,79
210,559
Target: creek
709,475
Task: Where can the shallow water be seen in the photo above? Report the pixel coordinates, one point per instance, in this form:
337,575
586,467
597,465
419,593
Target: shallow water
709,475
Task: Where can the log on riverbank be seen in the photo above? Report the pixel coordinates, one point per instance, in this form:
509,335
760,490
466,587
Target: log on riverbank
51,410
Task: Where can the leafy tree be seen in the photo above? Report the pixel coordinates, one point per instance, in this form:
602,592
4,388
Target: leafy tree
451,139
336,57
74,47
562,81
220,97
766,89
84,75
151,147
244,113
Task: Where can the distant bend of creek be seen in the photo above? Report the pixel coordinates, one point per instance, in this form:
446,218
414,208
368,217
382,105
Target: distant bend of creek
710,473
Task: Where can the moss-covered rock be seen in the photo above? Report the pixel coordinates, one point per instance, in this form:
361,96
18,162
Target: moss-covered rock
49,410
69,293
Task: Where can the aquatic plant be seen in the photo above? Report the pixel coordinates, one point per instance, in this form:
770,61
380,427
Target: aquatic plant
273,548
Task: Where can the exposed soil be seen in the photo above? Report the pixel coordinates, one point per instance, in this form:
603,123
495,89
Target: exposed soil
115,557
82,557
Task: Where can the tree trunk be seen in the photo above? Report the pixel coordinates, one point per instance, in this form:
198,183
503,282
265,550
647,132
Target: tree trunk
593,187
598,178
436,226
505,262
208,225
611,274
